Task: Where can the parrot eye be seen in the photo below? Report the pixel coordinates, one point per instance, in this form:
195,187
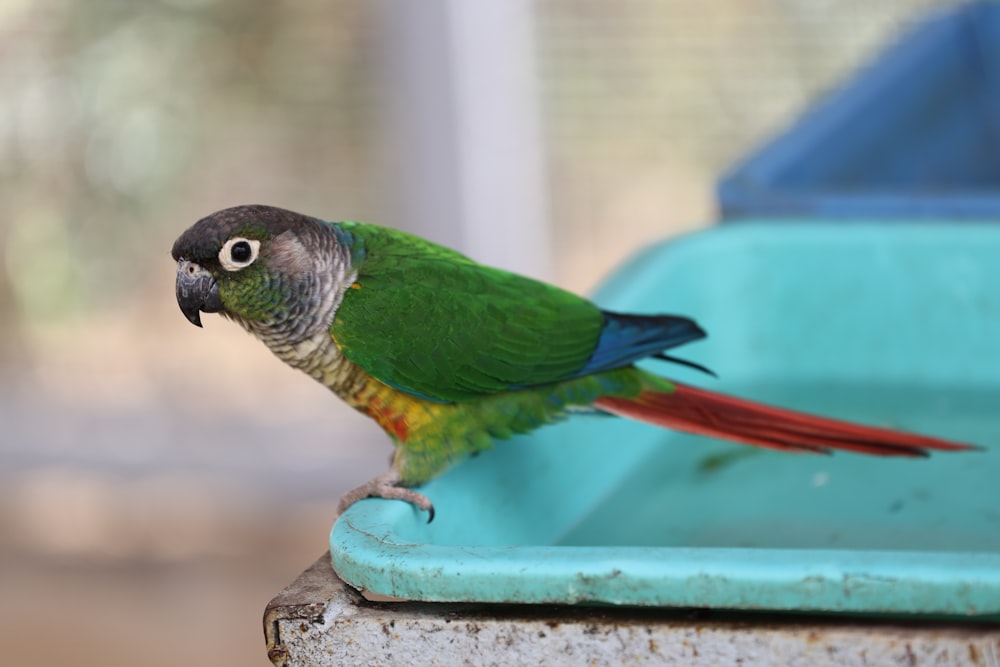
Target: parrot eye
238,253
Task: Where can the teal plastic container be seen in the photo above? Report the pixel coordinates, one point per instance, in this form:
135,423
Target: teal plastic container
893,325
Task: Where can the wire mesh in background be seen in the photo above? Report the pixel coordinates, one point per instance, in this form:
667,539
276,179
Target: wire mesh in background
158,484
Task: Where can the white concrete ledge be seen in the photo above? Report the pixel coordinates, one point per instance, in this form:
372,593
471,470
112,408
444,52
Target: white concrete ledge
319,620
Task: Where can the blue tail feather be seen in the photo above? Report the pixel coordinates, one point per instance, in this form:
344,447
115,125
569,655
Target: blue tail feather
626,339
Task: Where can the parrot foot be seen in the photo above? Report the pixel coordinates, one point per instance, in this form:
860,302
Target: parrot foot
387,485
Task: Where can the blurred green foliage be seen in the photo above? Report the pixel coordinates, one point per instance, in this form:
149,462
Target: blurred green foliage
121,122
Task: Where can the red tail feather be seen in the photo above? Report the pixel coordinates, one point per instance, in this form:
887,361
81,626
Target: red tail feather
701,412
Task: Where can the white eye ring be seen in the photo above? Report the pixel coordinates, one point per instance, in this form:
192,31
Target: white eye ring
238,253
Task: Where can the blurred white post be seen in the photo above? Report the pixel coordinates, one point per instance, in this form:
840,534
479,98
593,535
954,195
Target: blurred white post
462,110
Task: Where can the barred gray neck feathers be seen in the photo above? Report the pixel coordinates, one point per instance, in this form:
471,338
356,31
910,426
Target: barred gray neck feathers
301,336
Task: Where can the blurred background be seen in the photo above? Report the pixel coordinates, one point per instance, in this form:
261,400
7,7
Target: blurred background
160,483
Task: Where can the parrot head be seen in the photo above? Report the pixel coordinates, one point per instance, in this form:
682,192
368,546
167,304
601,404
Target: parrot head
263,267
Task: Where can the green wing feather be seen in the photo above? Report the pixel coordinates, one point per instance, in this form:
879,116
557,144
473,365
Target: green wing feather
432,322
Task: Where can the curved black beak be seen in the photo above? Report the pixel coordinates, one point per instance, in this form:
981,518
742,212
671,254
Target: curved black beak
197,291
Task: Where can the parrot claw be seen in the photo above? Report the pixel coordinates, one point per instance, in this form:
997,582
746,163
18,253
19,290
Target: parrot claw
387,485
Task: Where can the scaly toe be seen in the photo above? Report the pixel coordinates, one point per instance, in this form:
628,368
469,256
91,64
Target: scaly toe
386,485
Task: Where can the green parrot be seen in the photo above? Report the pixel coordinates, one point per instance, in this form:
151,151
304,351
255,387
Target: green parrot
448,355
